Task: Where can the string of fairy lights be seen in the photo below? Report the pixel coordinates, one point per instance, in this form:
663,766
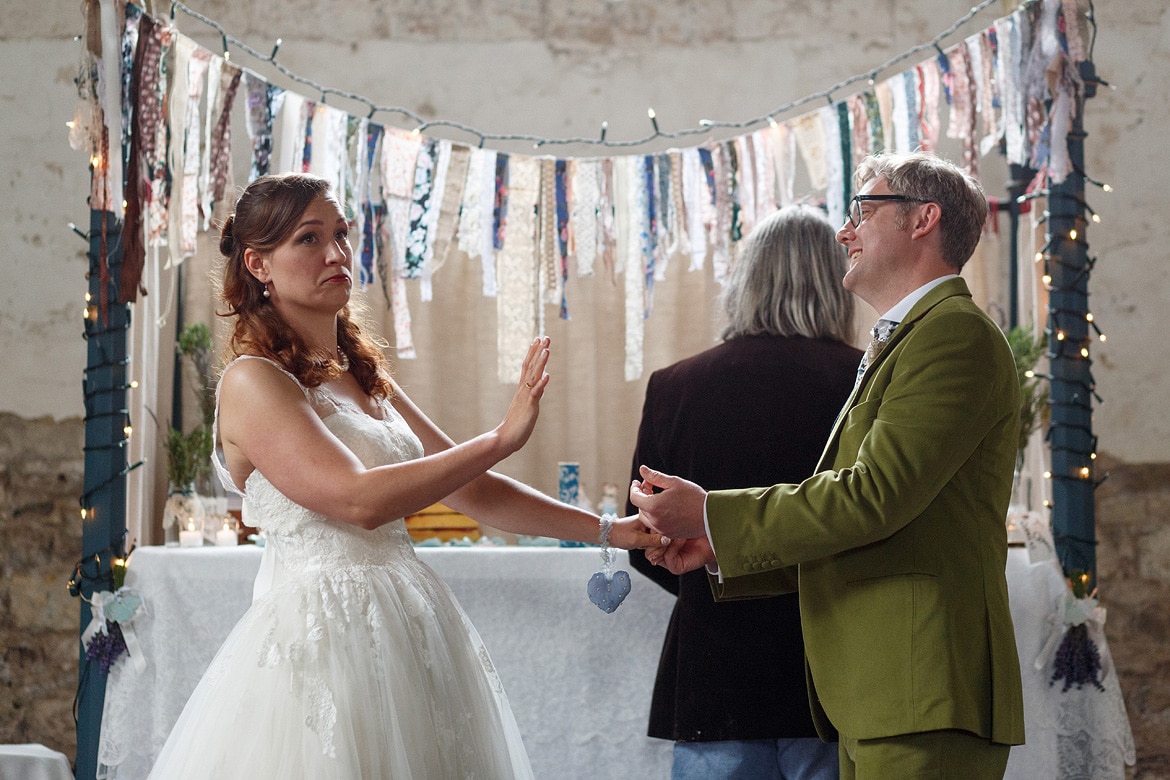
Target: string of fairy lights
705,126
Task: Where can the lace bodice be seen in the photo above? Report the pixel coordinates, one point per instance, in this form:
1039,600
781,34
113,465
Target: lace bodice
305,540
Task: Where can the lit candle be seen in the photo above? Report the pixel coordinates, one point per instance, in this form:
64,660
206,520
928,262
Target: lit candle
226,537
190,536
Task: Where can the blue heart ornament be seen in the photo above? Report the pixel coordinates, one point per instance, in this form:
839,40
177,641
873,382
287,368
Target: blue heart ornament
123,607
608,592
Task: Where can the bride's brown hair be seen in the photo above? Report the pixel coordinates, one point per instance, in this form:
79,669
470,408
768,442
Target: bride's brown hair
266,214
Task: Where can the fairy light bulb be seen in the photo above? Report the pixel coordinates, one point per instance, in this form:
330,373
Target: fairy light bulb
1097,218
1084,472
1060,335
1072,234
1047,279
1039,257
1106,188
128,430
133,384
1088,316
1084,351
1047,475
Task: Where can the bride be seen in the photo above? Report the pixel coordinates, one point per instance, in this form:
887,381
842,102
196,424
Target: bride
354,660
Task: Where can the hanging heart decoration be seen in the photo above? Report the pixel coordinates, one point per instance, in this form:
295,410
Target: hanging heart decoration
608,592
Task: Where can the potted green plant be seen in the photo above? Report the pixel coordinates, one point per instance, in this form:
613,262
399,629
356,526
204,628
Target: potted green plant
1027,348
189,454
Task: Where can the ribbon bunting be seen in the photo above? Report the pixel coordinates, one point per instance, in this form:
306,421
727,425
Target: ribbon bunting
1015,82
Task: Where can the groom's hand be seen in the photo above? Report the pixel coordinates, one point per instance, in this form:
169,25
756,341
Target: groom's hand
682,555
676,510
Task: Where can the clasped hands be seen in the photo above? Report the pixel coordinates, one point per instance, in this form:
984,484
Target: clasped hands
673,507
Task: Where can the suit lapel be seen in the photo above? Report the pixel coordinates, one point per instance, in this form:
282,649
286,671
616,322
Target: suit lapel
947,289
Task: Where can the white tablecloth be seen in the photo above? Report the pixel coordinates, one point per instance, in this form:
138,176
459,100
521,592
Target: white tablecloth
33,762
1070,734
579,680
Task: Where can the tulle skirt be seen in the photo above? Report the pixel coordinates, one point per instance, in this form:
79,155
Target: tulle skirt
361,672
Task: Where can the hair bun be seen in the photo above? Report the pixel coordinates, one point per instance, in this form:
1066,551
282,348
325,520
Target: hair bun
227,238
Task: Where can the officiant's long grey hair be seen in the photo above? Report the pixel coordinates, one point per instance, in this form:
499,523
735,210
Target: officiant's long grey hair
786,280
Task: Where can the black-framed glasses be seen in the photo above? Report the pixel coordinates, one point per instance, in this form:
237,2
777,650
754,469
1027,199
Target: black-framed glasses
854,212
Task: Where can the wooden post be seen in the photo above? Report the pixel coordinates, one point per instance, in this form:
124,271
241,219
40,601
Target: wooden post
103,504
1071,439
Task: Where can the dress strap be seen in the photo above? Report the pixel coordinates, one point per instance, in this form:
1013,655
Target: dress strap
217,460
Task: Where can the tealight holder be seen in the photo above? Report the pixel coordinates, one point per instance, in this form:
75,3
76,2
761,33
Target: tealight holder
191,531
227,532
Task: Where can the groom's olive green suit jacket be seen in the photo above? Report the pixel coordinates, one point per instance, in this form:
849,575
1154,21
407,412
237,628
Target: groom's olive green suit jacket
899,541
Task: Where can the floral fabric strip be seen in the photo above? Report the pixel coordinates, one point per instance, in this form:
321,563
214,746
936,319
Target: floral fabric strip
626,185
561,185
456,181
648,225
197,66
699,209
546,213
857,129
1011,99
289,146
329,158
146,58
518,296
373,136
220,164
264,101
416,242
833,171
430,217
500,211
722,176
853,145
586,189
962,117
928,95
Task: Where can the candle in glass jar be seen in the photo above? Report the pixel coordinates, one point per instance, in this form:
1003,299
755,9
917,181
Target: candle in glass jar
226,537
190,536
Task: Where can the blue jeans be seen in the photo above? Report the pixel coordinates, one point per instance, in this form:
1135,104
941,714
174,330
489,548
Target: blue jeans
755,759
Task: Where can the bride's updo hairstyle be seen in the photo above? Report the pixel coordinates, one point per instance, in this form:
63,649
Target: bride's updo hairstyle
265,216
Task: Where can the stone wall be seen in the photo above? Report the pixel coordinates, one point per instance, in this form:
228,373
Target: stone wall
1133,568
41,473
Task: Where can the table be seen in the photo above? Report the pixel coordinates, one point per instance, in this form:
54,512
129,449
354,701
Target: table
579,680
1074,733
33,762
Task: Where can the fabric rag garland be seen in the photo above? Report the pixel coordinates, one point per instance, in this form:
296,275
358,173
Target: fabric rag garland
1015,82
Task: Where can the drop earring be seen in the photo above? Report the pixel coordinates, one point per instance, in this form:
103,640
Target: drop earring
266,293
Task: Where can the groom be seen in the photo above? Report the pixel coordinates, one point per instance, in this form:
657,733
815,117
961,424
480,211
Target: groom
898,540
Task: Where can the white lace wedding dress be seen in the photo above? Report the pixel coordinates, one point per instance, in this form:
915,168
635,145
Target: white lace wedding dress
355,662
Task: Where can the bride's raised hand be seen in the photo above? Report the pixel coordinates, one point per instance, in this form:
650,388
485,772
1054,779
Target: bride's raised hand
525,407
